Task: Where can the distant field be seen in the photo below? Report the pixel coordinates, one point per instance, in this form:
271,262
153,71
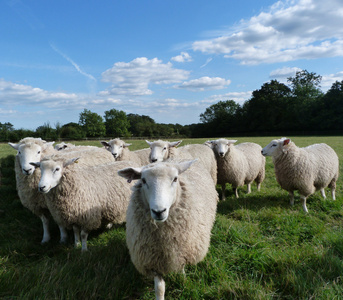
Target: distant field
261,247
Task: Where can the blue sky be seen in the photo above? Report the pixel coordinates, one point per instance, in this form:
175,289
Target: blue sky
166,59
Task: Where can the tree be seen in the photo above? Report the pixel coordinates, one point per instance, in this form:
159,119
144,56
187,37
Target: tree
92,123
267,110
116,123
306,93
141,125
220,118
72,131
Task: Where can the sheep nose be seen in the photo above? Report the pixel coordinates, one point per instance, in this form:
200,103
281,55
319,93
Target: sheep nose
115,154
28,171
158,213
41,188
154,160
221,154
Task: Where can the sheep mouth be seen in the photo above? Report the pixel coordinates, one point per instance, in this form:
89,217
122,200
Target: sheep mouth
44,190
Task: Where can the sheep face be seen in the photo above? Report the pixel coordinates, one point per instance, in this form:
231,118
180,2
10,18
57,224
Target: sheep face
159,185
60,146
116,147
221,146
27,152
51,173
160,150
276,147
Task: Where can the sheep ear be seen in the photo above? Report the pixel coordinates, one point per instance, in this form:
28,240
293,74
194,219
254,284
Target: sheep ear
105,144
149,143
183,166
231,141
175,144
71,161
15,146
35,164
209,143
286,142
127,145
130,173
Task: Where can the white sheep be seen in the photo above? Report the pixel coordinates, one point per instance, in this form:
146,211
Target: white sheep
63,146
82,197
32,149
305,170
27,177
169,218
120,151
238,165
164,150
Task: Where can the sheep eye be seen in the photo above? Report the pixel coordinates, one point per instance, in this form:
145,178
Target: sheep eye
165,148
175,179
143,181
38,152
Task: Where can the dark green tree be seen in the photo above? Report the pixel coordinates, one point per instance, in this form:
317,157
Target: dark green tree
92,123
267,110
72,131
141,125
117,123
220,118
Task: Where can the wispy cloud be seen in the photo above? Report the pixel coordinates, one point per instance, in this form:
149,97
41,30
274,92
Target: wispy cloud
75,65
207,62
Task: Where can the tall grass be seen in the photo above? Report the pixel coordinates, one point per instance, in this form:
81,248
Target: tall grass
261,248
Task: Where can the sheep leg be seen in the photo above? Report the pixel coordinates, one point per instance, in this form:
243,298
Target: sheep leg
160,287
303,198
291,195
259,186
76,230
63,234
84,236
322,191
46,233
333,194
236,192
249,188
223,191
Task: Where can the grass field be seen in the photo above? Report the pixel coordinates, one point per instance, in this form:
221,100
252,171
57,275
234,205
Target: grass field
261,248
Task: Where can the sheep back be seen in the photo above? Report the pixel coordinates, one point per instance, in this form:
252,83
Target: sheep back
88,195
184,238
241,165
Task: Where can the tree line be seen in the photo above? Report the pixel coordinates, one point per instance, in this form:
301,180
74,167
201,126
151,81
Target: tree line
300,107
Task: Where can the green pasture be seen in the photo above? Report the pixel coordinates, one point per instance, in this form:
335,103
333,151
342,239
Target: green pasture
261,247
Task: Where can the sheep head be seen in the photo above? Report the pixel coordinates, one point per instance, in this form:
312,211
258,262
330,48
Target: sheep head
116,147
276,147
51,172
160,150
30,151
221,146
159,185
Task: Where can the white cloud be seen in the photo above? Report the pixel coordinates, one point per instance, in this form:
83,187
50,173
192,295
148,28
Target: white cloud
239,97
133,78
290,30
20,94
205,83
183,57
282,74
328,80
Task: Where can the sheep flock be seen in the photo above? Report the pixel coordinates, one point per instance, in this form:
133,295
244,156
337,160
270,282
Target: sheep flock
166,195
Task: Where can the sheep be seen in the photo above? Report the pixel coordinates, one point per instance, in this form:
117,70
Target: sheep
27,177
63,146
82,197
238,165
32,149
164,150
305,170
120,151
169,218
